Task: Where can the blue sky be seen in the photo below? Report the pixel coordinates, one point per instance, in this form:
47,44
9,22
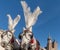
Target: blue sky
48,21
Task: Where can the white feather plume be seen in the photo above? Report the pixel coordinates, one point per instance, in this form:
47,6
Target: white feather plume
12,23
16,20
30,18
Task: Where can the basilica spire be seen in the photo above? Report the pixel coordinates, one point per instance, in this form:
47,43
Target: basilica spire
49,37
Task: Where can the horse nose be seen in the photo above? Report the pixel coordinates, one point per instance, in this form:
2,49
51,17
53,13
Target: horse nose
3,44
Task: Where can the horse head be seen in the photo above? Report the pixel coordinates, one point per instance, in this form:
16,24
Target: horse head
8,35
25,37
30,20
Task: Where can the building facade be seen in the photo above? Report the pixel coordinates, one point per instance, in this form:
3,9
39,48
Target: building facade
51,45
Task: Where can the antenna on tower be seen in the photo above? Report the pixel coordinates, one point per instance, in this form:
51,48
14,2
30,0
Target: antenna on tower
49,37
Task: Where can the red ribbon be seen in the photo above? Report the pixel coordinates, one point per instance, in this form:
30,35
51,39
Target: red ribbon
12,40
32,41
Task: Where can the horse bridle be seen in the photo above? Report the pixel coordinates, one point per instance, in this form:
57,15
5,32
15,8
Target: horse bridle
25,33
7,35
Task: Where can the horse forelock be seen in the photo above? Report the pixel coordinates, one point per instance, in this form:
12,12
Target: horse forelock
9,31
27,31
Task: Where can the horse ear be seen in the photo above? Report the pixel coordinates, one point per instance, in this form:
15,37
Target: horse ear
16,20
10,22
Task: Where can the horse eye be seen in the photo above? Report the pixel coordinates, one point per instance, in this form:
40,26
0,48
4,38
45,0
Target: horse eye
9,35
30,35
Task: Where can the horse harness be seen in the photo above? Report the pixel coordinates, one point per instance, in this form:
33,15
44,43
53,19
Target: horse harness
25,33
12,39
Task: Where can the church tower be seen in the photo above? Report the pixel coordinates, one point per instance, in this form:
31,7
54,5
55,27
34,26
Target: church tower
54,45
49,43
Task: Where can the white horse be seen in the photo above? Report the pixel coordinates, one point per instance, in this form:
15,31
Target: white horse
8,40
30,20
25,38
